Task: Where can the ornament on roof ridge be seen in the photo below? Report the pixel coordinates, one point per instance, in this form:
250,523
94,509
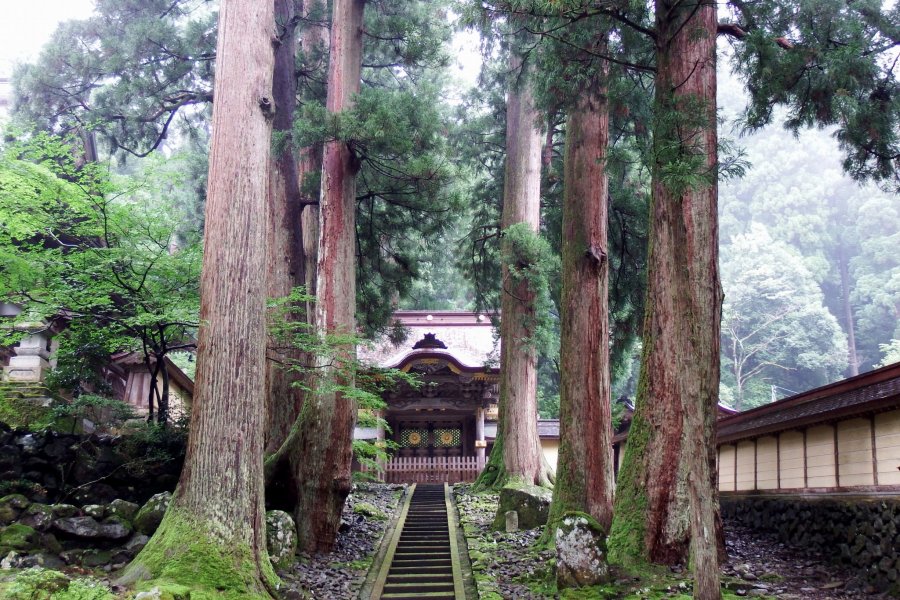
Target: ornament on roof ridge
430,341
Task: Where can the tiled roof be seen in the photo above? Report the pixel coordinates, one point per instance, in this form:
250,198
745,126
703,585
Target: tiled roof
870,392
468,337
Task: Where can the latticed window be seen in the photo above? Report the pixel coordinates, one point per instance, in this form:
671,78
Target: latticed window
447,438
413,438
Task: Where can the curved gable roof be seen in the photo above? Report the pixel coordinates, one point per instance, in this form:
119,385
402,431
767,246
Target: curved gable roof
469,339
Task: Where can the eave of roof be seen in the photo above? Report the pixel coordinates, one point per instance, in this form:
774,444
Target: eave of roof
431,354
868,393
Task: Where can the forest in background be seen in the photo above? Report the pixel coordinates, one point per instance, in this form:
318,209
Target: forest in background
809,267
582,172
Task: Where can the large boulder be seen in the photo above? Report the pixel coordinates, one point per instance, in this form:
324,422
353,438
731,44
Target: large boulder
82,527
112,528
531,503
580,552
281,538
151,514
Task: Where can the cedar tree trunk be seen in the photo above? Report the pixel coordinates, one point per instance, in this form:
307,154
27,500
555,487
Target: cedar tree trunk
666,502
281,480
584,474
519,447
213,538
285,244
322,460
314,43
852,356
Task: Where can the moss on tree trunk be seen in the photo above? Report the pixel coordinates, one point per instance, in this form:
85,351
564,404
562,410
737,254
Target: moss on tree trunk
584,477
666,501
212,538
187,554
519,449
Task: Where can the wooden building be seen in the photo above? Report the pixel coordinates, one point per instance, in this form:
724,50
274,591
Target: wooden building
837,438
445,428
842,437
439,426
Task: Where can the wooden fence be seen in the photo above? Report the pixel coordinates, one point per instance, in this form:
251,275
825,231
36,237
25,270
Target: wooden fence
427,469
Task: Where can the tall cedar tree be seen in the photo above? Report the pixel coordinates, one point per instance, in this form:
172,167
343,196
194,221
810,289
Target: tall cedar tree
213,534
286,264
314,45
516,454
666,500
322,461
298,229
584,475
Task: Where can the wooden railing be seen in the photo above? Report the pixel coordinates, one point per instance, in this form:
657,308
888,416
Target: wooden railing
425,469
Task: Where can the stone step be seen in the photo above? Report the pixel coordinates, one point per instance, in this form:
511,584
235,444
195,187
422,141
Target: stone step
416,569
398,578
418,587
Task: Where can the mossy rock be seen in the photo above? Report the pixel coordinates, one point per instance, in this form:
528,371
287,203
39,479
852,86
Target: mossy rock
8,515
98,511
151,514
24,413
19,538
96,558
116,528
369,510
64,511
17,501
281,538
531,503
38,516
581,559
122,509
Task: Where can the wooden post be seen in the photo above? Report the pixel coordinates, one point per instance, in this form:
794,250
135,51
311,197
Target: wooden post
874,450
379,441
479,436
837,460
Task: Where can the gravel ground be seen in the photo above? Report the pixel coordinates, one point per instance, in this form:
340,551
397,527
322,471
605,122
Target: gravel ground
758,564
339,574
786,571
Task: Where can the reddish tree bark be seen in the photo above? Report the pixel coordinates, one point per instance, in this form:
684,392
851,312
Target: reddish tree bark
286,264
322,461
314,43
517,442
666,501
213,535
584,474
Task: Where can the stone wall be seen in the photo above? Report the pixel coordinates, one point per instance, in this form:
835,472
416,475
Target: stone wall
48,466
860,532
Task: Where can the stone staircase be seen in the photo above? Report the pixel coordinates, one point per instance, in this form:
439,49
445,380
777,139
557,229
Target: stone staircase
32,391
423,559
